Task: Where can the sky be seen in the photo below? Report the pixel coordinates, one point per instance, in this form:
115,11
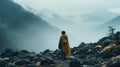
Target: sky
81,13
73,7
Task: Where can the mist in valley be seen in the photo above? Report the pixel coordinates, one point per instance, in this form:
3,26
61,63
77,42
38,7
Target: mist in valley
22,26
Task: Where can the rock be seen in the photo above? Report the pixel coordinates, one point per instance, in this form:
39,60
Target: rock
98,47
113,52
15,53
4,62
74,63
116,57
90,66
47,62
7,53
74,50
105,54
81,44
88,62
6,58
57,54
82,56
105,41
11,64
21,62
114,63
31,65
117,37
116,50
38,63
23,52
110,53
46,51
39,55
31,56
70,57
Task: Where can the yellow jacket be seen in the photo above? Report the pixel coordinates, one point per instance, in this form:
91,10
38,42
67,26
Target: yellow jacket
65,45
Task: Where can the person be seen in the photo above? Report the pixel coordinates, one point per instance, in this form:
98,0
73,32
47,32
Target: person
64,45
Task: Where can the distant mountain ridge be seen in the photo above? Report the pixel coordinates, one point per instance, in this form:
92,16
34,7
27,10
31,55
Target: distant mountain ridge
54,19
114,22
22,29
103,28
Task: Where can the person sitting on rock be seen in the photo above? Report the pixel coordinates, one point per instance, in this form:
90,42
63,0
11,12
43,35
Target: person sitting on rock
64,45
107,48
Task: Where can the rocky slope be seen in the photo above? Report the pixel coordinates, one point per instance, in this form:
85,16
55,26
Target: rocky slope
84,54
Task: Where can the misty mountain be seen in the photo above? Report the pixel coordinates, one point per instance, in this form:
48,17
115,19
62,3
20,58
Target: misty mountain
77,29
103,28
100,16
115,22
22,29
96,16
54,19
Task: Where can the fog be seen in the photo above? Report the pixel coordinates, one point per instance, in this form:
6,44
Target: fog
22,26
21,29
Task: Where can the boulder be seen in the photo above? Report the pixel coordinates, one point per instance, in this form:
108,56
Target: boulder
115,63
23,52
31,65
21,62
47,62
4,62
57,54
116,50
46,51
7,53
75,63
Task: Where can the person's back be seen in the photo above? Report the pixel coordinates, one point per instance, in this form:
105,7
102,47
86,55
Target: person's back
64,44
64,39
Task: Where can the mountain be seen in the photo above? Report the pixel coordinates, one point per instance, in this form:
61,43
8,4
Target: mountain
100,16
21,29
94,16
104,28
115,22
54,19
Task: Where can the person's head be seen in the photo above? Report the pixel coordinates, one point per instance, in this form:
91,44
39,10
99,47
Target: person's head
63,32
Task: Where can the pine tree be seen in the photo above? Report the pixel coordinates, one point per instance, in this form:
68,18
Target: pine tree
111,32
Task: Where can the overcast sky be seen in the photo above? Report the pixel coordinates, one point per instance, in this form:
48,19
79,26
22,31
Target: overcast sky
102,11
73,7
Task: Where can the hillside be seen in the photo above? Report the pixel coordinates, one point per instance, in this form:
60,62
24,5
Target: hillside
85,54
20,28
114,22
